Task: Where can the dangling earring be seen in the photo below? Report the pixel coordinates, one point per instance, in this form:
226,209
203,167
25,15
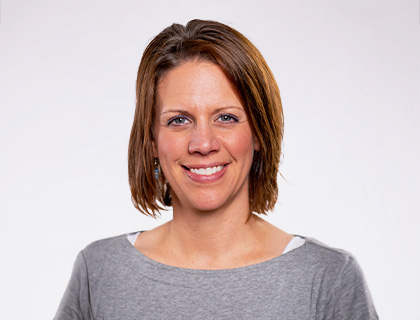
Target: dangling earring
156,169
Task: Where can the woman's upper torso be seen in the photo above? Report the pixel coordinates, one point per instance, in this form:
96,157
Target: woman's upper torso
112,280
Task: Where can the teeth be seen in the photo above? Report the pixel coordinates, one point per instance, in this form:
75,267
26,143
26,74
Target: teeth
207,171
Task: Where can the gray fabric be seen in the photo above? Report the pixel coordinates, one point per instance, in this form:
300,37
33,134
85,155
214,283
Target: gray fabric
113,280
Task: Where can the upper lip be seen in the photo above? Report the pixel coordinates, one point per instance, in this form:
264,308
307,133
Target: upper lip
204,166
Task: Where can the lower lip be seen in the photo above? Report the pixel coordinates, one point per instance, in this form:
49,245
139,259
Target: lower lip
202,178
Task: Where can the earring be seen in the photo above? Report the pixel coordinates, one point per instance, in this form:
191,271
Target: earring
156,169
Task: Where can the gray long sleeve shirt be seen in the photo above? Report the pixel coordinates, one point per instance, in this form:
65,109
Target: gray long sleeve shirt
113,280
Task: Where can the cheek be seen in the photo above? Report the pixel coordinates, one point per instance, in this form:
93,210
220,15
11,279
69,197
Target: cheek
170,147
241,144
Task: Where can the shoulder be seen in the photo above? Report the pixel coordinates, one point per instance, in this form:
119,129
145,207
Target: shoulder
323,250
95,266
106,244
330,268
342,289
317,252
336,265
105,250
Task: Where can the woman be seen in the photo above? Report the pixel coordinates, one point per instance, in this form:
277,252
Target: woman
206,140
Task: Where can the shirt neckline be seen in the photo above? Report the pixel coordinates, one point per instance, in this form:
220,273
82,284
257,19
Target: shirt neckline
256,266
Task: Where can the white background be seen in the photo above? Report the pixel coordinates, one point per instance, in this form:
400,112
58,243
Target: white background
348,73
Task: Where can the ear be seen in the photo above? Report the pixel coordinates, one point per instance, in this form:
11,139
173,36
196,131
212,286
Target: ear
256,143
155,152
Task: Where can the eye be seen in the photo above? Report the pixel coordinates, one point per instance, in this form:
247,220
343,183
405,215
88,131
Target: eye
227,118
178,121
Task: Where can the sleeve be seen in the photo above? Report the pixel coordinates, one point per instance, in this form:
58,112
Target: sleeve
347,295
75,303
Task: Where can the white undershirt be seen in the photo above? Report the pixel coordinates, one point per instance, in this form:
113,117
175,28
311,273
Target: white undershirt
296,241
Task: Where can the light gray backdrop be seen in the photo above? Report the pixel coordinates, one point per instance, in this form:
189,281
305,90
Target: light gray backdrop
348,73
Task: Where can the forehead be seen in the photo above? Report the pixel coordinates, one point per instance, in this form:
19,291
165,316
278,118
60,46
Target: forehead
196,84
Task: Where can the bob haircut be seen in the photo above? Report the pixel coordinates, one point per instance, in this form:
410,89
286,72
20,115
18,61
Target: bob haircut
255,86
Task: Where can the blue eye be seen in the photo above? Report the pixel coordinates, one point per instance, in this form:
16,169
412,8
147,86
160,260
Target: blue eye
178,121
227,118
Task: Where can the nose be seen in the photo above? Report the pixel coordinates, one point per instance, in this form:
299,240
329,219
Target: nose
203,140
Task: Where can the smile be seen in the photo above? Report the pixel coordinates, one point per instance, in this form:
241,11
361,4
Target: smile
206,171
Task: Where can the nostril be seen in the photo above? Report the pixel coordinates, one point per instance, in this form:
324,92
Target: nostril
203,141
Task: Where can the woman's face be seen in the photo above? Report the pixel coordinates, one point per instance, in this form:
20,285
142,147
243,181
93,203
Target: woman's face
202,138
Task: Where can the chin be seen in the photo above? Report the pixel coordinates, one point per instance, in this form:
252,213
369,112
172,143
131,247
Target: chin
207,205
207,202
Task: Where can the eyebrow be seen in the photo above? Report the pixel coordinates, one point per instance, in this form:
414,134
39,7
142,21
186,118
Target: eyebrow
187,112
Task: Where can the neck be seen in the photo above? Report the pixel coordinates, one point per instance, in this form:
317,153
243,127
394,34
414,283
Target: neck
209,238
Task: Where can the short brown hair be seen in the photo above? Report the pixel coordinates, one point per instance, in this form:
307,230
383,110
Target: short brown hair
254,83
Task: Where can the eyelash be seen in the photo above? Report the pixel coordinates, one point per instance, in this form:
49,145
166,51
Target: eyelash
170,121
233,118
173,119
